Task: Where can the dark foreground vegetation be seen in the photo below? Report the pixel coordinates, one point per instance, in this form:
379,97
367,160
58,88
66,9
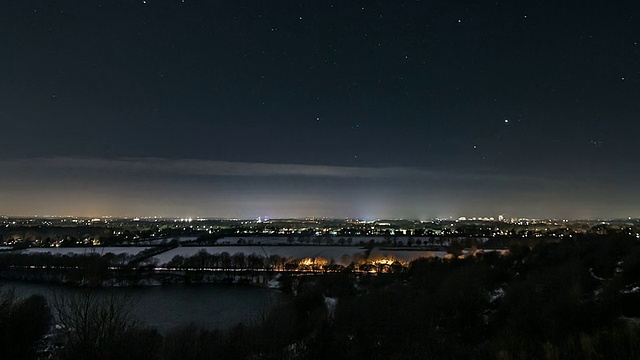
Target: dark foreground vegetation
571,299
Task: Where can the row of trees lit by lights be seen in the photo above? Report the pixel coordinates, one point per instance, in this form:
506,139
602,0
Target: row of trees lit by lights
203,261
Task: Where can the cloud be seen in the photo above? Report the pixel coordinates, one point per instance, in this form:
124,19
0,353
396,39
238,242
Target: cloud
156,186
159,166
203,167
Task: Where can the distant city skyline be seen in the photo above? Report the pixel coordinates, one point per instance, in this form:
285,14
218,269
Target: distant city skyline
391,109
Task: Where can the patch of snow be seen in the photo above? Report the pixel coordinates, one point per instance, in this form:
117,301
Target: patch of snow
633,290
273,284
331,304
496,294
594,275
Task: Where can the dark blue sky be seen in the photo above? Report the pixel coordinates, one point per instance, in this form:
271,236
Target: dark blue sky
375,109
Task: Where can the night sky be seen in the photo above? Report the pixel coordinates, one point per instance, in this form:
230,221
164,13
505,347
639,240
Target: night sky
384,109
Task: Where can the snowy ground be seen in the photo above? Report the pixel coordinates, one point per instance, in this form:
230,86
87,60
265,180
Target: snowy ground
340,254
255,240
299,252
356,240
131,250
166,240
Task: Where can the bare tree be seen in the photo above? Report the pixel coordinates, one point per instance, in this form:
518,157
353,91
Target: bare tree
97,325
23,323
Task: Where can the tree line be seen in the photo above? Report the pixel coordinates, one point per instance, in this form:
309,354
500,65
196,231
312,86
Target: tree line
563,299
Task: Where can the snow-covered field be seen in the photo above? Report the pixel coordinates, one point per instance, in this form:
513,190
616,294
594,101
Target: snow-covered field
340,254
355,240
263,240
131,250
299,252
166,240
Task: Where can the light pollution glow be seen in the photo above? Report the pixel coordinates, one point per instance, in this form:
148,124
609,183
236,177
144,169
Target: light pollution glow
178,188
